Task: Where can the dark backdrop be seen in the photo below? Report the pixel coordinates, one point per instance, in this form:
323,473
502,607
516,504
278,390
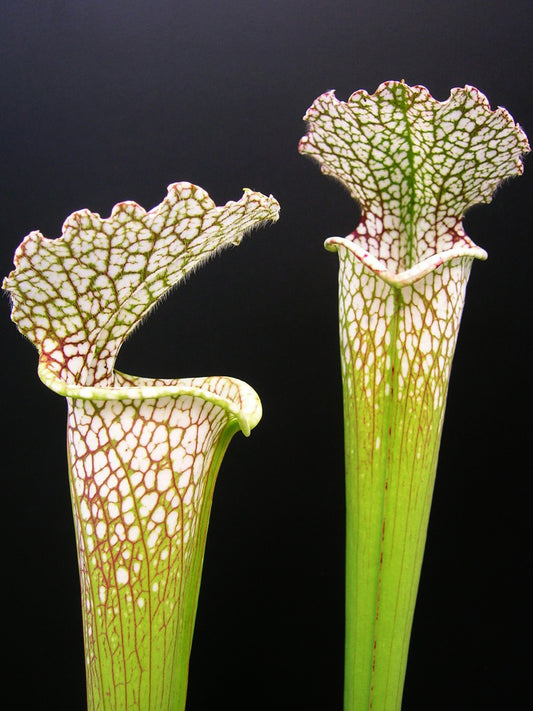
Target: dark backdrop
108,100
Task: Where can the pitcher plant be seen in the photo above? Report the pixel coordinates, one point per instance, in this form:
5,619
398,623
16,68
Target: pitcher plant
414,165
143,454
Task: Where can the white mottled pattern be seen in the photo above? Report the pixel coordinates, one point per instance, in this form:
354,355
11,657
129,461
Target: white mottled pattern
77,297
413,163
142,476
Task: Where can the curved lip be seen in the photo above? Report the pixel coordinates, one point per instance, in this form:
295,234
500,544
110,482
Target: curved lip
247,413
409,276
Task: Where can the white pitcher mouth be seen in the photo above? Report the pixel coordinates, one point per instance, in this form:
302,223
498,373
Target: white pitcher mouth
238,398
408,276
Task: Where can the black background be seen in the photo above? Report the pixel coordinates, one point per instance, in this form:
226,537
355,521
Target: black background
109,100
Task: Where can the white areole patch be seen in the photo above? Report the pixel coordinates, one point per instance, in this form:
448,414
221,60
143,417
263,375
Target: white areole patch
123,576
